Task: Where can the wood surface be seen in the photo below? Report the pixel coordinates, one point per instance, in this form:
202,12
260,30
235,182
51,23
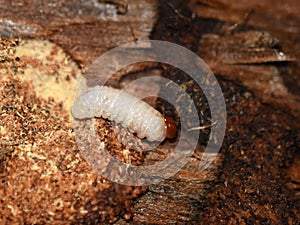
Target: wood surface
252,47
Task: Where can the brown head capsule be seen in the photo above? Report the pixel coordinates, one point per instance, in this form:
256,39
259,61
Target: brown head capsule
170,127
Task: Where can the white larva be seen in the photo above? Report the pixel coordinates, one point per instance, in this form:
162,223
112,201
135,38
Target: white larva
123,108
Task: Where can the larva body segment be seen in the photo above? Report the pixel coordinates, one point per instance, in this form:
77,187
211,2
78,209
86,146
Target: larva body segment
123,108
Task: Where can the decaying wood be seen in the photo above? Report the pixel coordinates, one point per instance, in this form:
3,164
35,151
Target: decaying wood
247,184
243,56
32,137
44,178
84,29
249,47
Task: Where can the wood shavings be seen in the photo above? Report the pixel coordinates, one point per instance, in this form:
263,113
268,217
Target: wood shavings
49,69
43,178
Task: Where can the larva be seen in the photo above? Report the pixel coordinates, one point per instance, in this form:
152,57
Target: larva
126,109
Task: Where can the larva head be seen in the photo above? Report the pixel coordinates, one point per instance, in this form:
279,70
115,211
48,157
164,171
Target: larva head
171,129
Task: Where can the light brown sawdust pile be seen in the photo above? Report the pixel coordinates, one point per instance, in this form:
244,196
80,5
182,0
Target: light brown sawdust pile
43,178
